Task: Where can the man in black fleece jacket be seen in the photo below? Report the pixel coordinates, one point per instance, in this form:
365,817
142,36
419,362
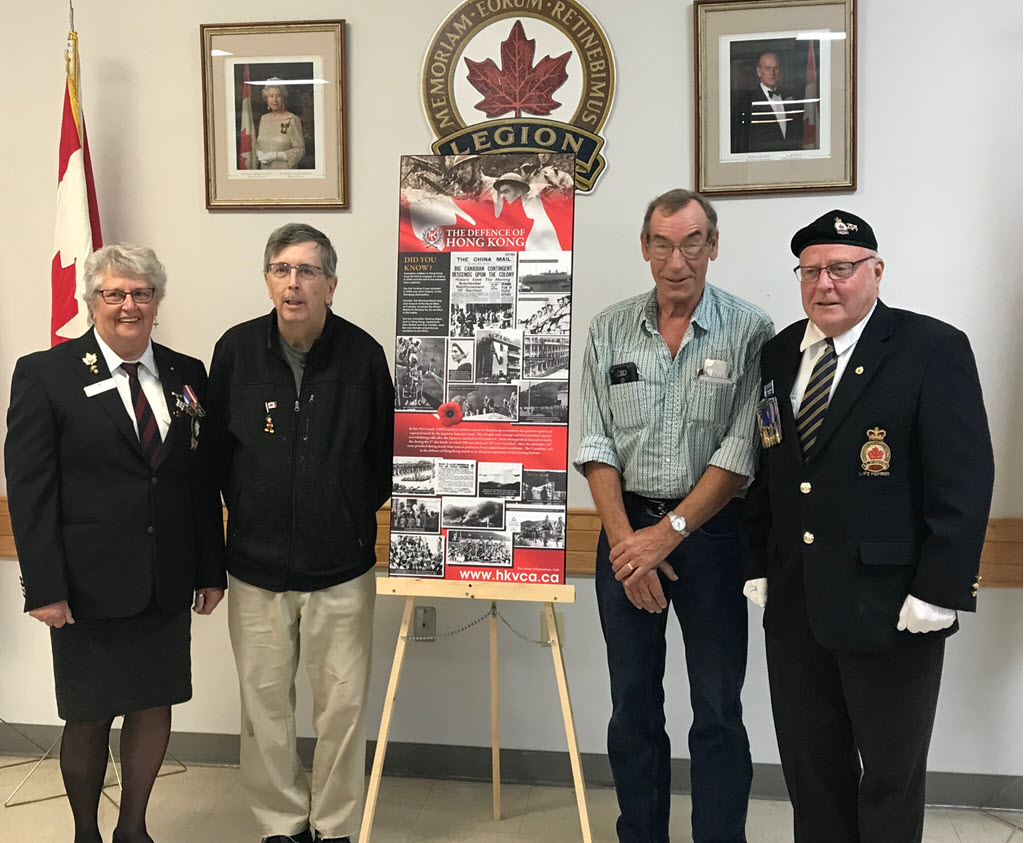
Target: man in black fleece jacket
302,406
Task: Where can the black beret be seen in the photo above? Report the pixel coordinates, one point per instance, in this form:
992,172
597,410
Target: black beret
834,227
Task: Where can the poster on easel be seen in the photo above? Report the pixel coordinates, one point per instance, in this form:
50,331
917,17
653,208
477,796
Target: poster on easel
482,367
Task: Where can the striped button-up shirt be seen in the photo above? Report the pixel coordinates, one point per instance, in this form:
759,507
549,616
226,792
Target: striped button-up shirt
683,414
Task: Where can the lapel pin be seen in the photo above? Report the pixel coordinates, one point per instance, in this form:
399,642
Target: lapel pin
859,370
90,360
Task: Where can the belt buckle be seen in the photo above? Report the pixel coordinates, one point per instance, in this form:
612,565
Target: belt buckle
655,508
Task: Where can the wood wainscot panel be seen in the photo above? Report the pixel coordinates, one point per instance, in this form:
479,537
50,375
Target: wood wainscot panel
1001,558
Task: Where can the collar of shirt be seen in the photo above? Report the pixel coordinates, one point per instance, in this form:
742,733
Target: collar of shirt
843,342
768,91
114,362
704,315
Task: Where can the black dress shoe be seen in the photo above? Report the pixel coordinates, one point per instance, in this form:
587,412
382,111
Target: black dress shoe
320,839
301,837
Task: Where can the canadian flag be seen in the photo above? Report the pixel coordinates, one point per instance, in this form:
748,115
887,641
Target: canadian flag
247,133
77,231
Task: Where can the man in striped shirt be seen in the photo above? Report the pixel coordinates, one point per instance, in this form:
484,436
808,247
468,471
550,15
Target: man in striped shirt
670,380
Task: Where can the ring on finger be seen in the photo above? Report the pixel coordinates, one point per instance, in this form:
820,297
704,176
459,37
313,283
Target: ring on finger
630,566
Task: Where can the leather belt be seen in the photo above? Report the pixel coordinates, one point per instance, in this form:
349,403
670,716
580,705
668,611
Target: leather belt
657,507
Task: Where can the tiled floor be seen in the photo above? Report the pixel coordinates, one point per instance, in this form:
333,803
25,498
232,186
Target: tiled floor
205,805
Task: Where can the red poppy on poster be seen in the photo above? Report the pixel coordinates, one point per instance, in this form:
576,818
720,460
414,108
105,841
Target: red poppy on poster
482,368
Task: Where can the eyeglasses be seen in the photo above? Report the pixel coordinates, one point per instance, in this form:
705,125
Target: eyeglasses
305,271
838,271
144,295
663,250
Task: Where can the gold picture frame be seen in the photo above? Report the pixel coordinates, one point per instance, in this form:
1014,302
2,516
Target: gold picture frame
275,114
776,96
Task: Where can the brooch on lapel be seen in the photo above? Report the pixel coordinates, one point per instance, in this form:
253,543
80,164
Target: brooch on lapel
91,360
875,456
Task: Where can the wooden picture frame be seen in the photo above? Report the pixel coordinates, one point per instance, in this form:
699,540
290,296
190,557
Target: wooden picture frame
802,137
275,114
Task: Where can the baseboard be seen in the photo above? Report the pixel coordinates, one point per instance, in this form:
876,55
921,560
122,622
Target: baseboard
525,766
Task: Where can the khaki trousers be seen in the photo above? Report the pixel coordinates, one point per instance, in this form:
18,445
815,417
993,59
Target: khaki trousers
331,630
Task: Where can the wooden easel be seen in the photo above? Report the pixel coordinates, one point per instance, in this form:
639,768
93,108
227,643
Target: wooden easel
546,594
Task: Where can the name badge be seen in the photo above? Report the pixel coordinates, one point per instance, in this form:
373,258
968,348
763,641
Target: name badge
101,386
768,422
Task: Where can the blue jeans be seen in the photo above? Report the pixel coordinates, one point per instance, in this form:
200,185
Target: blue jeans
708,601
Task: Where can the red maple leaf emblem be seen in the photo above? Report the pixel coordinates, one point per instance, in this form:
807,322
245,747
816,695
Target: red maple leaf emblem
518,86
876,453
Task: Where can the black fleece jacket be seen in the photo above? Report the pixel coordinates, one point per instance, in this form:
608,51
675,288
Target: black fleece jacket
302,474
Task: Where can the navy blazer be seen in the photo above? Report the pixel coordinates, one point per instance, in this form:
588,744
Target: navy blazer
842,545
93,522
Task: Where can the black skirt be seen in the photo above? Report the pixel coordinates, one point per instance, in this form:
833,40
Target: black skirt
105,668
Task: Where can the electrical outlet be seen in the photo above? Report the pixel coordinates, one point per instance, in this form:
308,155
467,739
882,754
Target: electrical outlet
545,636
424,622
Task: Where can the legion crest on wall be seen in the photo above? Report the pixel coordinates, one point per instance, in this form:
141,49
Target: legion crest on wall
520,76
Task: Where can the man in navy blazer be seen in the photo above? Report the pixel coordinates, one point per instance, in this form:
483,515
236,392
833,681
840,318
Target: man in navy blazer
863,533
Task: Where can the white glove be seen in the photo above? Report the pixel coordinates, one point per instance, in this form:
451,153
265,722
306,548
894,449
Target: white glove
264,157
756,591
918,616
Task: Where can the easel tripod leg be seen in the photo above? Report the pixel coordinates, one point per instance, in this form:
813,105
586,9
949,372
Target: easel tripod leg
373,791
495,746
570,727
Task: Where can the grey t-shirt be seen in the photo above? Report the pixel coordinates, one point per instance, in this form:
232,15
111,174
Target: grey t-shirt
296,360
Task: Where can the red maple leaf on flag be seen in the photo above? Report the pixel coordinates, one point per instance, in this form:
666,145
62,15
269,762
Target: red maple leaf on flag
518,86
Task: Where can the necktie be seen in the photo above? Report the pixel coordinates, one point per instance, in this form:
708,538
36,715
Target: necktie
815,400
149,432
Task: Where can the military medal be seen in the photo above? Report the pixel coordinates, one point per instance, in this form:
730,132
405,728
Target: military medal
188,403
90,360
768,422
875,455
269,427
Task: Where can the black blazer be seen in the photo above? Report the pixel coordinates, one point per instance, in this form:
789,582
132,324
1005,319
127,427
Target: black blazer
917,527
93,523
755,128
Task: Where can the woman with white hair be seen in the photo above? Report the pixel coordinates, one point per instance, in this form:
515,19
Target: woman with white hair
279,141
118,529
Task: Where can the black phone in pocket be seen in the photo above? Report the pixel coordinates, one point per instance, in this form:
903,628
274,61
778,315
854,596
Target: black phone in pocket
623,373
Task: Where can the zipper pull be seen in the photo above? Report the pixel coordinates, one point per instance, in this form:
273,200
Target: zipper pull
296,405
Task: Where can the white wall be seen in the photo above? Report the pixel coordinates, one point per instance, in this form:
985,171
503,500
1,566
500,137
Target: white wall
940,173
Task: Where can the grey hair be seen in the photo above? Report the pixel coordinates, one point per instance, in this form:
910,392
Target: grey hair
675,200
293,233
281,86
126,261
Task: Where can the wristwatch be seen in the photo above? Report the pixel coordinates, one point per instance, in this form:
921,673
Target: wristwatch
678,524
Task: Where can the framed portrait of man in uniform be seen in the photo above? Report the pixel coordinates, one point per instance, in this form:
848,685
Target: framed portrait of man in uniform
775,96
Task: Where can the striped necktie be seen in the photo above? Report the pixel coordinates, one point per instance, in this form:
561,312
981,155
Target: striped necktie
149,432
815,400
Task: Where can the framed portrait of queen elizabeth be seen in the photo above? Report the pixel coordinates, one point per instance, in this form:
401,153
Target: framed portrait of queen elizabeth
274,114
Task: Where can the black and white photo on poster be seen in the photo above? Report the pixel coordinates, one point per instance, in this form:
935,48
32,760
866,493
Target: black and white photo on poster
545,272
416,555
416,515
544,402
500,480
536,526
423,294
543,486
486,402
546,356
544,314
419,373
456,477
460,360
413,475
480,547
482,291
499,355
482,513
